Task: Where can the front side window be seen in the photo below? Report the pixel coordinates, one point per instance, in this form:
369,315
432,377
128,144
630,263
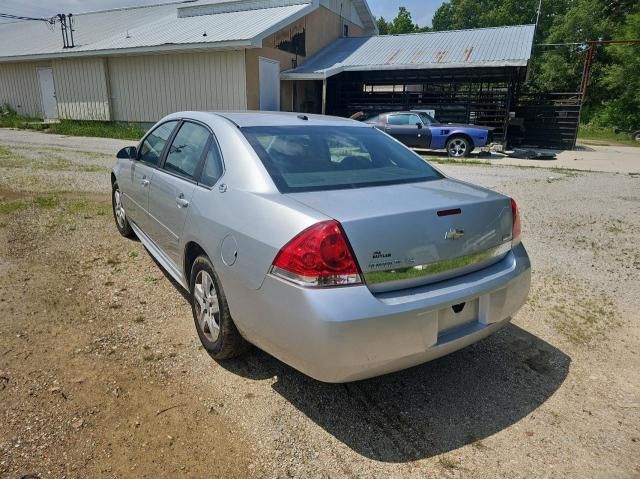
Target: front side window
187,149
154,143
414,120
427,119
398,120
313,158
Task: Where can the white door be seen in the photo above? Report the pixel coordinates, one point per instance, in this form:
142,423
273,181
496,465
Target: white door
269,84
48,92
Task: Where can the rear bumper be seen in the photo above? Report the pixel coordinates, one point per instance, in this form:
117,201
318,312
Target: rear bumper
347,334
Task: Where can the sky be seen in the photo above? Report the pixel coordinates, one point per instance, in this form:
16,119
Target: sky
421,10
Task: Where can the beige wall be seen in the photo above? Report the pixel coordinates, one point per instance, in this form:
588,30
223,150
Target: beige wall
20,88
146,88
322,27
82,89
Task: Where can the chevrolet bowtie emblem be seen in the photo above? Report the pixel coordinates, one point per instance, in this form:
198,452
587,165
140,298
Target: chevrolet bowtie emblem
454,234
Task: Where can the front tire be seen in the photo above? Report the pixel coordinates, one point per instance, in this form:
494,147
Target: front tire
459,147
119,215
216,330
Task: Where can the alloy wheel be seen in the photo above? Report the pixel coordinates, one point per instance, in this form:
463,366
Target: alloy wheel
207,306
119,209
457,147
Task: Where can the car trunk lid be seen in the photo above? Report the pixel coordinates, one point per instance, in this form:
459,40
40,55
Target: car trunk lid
409,235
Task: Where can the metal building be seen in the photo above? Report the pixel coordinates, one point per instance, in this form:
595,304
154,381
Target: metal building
138,64
465,76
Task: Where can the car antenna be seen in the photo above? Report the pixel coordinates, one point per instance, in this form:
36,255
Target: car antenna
303,117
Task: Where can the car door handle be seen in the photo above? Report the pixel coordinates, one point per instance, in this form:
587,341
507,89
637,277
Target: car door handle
181,202
144,183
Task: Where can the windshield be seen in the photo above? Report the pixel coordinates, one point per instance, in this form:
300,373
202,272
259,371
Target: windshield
312,158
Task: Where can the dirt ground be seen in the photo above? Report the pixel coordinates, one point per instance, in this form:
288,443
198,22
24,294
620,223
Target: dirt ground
101,373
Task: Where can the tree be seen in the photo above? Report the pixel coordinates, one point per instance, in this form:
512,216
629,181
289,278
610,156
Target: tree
559,68
402,23
383,26
621,82
463,14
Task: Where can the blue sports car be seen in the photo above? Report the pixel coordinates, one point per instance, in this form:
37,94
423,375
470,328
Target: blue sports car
417,129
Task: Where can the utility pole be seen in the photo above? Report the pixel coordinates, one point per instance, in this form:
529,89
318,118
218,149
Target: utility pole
588,62
66,25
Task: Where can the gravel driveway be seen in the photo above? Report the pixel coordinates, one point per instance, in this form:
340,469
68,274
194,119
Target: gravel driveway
101,373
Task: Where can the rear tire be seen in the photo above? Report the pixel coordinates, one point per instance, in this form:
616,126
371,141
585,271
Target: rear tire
119,215
459,147
216,330
636,135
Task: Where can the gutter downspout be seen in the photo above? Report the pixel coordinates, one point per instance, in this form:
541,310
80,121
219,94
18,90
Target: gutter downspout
324,96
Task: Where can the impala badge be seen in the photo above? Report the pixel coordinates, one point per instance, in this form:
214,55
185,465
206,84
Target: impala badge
454,234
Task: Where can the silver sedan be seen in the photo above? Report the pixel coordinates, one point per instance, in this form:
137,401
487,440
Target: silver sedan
321,240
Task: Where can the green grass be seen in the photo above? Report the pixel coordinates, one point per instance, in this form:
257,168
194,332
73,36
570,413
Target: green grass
10,159
60,201
46,201
605,135
101,129
12,120
8,207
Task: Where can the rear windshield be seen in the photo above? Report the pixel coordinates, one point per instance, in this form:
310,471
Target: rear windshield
312,158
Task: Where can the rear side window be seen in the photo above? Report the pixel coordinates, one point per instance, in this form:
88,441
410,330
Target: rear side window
187,149
154,143
212,170
313,158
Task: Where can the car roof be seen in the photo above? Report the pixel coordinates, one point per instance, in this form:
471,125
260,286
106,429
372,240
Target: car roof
406,112
277,118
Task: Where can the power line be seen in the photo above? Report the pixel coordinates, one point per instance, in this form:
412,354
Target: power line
50,21
65,20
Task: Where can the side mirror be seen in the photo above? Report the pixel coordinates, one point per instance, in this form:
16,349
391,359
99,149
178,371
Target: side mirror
419,125
127,153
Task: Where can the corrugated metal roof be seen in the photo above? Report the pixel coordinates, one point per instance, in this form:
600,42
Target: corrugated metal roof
484,47
146,28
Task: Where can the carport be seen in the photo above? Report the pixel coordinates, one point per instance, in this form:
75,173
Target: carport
465,76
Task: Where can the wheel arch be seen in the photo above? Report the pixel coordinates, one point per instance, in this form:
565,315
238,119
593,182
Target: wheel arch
191,251
457,134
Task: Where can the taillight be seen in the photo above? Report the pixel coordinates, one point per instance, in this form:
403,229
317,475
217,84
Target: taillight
319,256
516,230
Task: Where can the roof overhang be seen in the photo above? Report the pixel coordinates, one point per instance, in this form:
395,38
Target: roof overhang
324,74
362,7
232,45
313,5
